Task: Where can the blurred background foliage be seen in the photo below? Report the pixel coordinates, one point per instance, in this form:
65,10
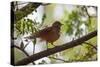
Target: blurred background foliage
78,20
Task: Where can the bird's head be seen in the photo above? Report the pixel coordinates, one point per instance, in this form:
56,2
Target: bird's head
57,24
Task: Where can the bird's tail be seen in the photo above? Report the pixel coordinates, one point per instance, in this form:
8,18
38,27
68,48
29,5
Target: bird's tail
30,37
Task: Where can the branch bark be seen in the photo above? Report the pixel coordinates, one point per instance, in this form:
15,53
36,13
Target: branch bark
51,51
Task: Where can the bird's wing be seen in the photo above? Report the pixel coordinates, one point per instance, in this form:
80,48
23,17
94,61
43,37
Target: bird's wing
48,29
44,31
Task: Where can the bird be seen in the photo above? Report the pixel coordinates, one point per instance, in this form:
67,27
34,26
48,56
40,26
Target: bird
48,34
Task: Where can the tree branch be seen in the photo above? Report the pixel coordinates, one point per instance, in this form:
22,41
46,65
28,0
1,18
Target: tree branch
14,46
19,14
51,51
86,10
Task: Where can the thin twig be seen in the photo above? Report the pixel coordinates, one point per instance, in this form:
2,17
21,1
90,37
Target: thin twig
91,45
59,59
26,45
86,10
20,49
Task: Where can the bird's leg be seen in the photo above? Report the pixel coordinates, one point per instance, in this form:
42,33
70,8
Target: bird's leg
53,45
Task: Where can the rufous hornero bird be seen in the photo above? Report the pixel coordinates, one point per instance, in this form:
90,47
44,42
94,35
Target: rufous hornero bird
49,34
